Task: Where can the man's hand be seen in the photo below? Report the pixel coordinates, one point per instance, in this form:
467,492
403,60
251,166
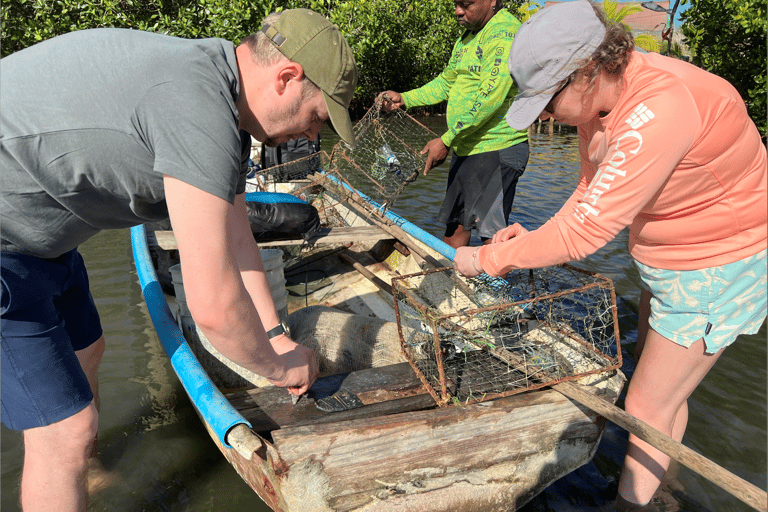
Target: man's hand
392,101
436,151
300,363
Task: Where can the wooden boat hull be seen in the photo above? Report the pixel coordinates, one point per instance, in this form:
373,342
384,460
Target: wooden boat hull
399,453
493,456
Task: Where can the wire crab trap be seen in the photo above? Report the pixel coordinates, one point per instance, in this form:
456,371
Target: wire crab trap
470,340
386,156
299,169
385,159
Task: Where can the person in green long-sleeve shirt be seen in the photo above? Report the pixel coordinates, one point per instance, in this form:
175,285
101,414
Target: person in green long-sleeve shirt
488,156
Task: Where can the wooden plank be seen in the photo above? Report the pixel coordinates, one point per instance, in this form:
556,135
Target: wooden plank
336,235
384,390
737,486
543,434
163,239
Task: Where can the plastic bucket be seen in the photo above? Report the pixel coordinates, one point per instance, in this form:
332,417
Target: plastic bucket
178,288
273,264
274,267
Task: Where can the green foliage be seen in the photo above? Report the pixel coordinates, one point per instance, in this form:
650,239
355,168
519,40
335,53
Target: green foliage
728,38
527,9
397,45
676,50
26,22
615,14
649,43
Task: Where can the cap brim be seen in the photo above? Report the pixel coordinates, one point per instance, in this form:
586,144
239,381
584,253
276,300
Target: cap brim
524,111
339,115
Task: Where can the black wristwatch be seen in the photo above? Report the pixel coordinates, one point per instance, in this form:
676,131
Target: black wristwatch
276,331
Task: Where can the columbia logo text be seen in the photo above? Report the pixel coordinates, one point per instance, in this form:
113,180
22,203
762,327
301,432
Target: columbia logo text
640,116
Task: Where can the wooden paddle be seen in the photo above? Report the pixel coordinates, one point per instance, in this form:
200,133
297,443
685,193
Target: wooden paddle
735,485
740,488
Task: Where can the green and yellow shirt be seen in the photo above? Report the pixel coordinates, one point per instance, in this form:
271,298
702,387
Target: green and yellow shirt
479,89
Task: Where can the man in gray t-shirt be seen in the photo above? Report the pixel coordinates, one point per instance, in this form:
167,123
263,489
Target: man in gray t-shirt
109,128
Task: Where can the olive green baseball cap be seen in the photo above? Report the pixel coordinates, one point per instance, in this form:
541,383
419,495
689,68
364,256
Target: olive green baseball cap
309,39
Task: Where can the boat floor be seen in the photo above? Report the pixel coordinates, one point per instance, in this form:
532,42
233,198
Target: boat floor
375,391
380,391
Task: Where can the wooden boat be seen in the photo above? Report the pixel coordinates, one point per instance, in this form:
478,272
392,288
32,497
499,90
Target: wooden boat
396,449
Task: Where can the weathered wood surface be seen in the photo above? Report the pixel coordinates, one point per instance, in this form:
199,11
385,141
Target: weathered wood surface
486,456
400,452
336,235
384,390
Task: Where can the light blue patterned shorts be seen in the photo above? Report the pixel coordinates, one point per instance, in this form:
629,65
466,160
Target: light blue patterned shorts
716,304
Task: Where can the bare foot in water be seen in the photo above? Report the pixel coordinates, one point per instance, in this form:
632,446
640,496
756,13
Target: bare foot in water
98,478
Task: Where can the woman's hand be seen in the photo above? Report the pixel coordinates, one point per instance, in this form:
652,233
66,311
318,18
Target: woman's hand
466,263
508,233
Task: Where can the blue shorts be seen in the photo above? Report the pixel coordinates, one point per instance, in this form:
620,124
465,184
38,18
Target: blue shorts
47,314
716,304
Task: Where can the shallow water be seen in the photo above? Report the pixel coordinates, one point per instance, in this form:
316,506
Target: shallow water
162,459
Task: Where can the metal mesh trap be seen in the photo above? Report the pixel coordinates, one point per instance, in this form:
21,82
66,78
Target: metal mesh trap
386,155
385,159
294,170
477,339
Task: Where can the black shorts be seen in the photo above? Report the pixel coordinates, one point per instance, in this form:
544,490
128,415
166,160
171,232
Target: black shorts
481,189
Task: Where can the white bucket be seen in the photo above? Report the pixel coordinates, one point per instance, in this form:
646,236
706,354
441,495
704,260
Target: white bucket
274,267
178,287
273,264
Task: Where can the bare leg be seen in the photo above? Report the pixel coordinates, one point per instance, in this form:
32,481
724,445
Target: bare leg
55,463
57,457
96,477
459,238
665,377
90,358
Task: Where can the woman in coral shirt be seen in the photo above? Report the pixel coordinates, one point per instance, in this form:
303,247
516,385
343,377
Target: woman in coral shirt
669,150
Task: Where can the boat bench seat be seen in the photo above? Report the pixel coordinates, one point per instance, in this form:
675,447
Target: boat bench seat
337,235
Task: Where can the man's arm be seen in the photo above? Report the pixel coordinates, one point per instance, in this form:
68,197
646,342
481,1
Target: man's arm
223,279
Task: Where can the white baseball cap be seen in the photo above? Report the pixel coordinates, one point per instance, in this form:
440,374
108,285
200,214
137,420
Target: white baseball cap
547,48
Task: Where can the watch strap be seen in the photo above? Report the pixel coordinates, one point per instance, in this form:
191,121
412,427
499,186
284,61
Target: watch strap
276,331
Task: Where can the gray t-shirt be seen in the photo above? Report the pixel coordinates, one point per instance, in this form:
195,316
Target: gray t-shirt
91,121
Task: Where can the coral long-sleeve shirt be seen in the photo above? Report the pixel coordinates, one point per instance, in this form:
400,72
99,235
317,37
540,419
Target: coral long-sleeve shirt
678,160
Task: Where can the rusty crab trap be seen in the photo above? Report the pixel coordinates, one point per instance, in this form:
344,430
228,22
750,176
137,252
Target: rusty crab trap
385,159
386,156
299,169
476,339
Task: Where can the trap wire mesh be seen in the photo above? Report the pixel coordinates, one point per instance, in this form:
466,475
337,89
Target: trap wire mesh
386,154
484,338
299,169
385,159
